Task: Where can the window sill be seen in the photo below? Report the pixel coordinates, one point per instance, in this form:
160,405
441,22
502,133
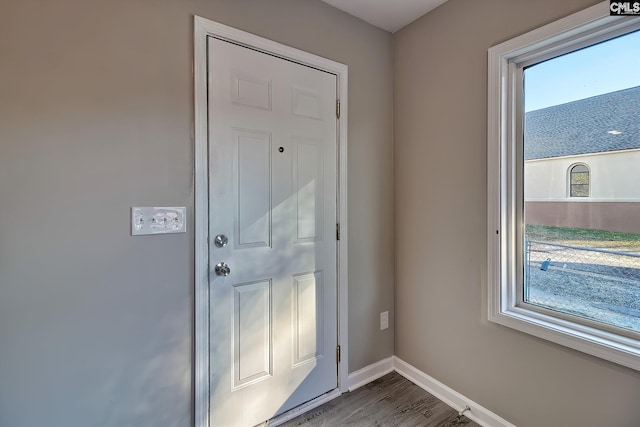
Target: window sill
608,346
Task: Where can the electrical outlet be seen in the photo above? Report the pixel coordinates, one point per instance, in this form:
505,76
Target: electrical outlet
384,320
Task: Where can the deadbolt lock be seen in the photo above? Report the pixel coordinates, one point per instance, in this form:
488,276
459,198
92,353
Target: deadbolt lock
221,241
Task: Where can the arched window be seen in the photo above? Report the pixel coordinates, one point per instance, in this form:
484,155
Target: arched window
579,181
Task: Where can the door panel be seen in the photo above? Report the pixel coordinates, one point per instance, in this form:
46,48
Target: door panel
253,346
308,185
253,218
307,317
272,192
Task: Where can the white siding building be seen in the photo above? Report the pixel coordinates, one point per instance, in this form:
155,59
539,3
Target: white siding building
582,163
613,176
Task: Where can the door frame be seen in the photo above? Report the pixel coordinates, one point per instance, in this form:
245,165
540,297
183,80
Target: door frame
204,28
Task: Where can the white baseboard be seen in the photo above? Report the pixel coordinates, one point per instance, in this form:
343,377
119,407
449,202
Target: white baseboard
361,377
369,373
457,401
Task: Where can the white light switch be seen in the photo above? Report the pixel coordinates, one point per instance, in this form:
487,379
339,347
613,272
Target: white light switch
158,220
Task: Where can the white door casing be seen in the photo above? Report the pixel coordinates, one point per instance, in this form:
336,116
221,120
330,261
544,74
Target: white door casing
269,329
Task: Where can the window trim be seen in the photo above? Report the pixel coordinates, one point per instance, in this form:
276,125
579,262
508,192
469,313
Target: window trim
504,173
570,182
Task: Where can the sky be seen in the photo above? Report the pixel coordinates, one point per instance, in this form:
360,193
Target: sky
603,68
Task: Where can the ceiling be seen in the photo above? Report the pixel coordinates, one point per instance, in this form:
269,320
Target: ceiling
390,15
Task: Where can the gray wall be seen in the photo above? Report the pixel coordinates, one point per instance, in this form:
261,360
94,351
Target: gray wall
95,117
440,191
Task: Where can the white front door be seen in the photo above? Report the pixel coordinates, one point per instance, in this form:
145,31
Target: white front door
272,195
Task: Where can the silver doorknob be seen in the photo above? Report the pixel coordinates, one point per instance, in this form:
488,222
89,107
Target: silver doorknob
222,269
221,240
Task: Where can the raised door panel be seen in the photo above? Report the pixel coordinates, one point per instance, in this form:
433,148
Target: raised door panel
307,321
252,333
309,189
253,181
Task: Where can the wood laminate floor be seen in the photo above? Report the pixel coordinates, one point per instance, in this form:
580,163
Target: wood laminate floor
391,401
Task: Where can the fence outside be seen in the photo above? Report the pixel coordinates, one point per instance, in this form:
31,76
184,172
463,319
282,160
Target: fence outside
598,284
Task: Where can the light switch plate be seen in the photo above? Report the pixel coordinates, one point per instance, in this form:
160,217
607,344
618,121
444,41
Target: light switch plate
158,220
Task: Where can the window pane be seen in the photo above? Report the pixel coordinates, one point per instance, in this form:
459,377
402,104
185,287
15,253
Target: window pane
578,169
582,221
580,178
579,190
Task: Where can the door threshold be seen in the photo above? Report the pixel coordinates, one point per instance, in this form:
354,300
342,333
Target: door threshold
302,409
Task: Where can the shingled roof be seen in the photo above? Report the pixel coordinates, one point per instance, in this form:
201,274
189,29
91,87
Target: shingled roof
581,127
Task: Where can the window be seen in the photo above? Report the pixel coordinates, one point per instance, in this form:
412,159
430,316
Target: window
535,139
579,181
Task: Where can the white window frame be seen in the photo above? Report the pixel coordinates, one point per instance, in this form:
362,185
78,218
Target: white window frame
569,173
505,191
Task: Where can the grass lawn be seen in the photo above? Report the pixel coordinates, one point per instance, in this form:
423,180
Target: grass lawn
584,237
